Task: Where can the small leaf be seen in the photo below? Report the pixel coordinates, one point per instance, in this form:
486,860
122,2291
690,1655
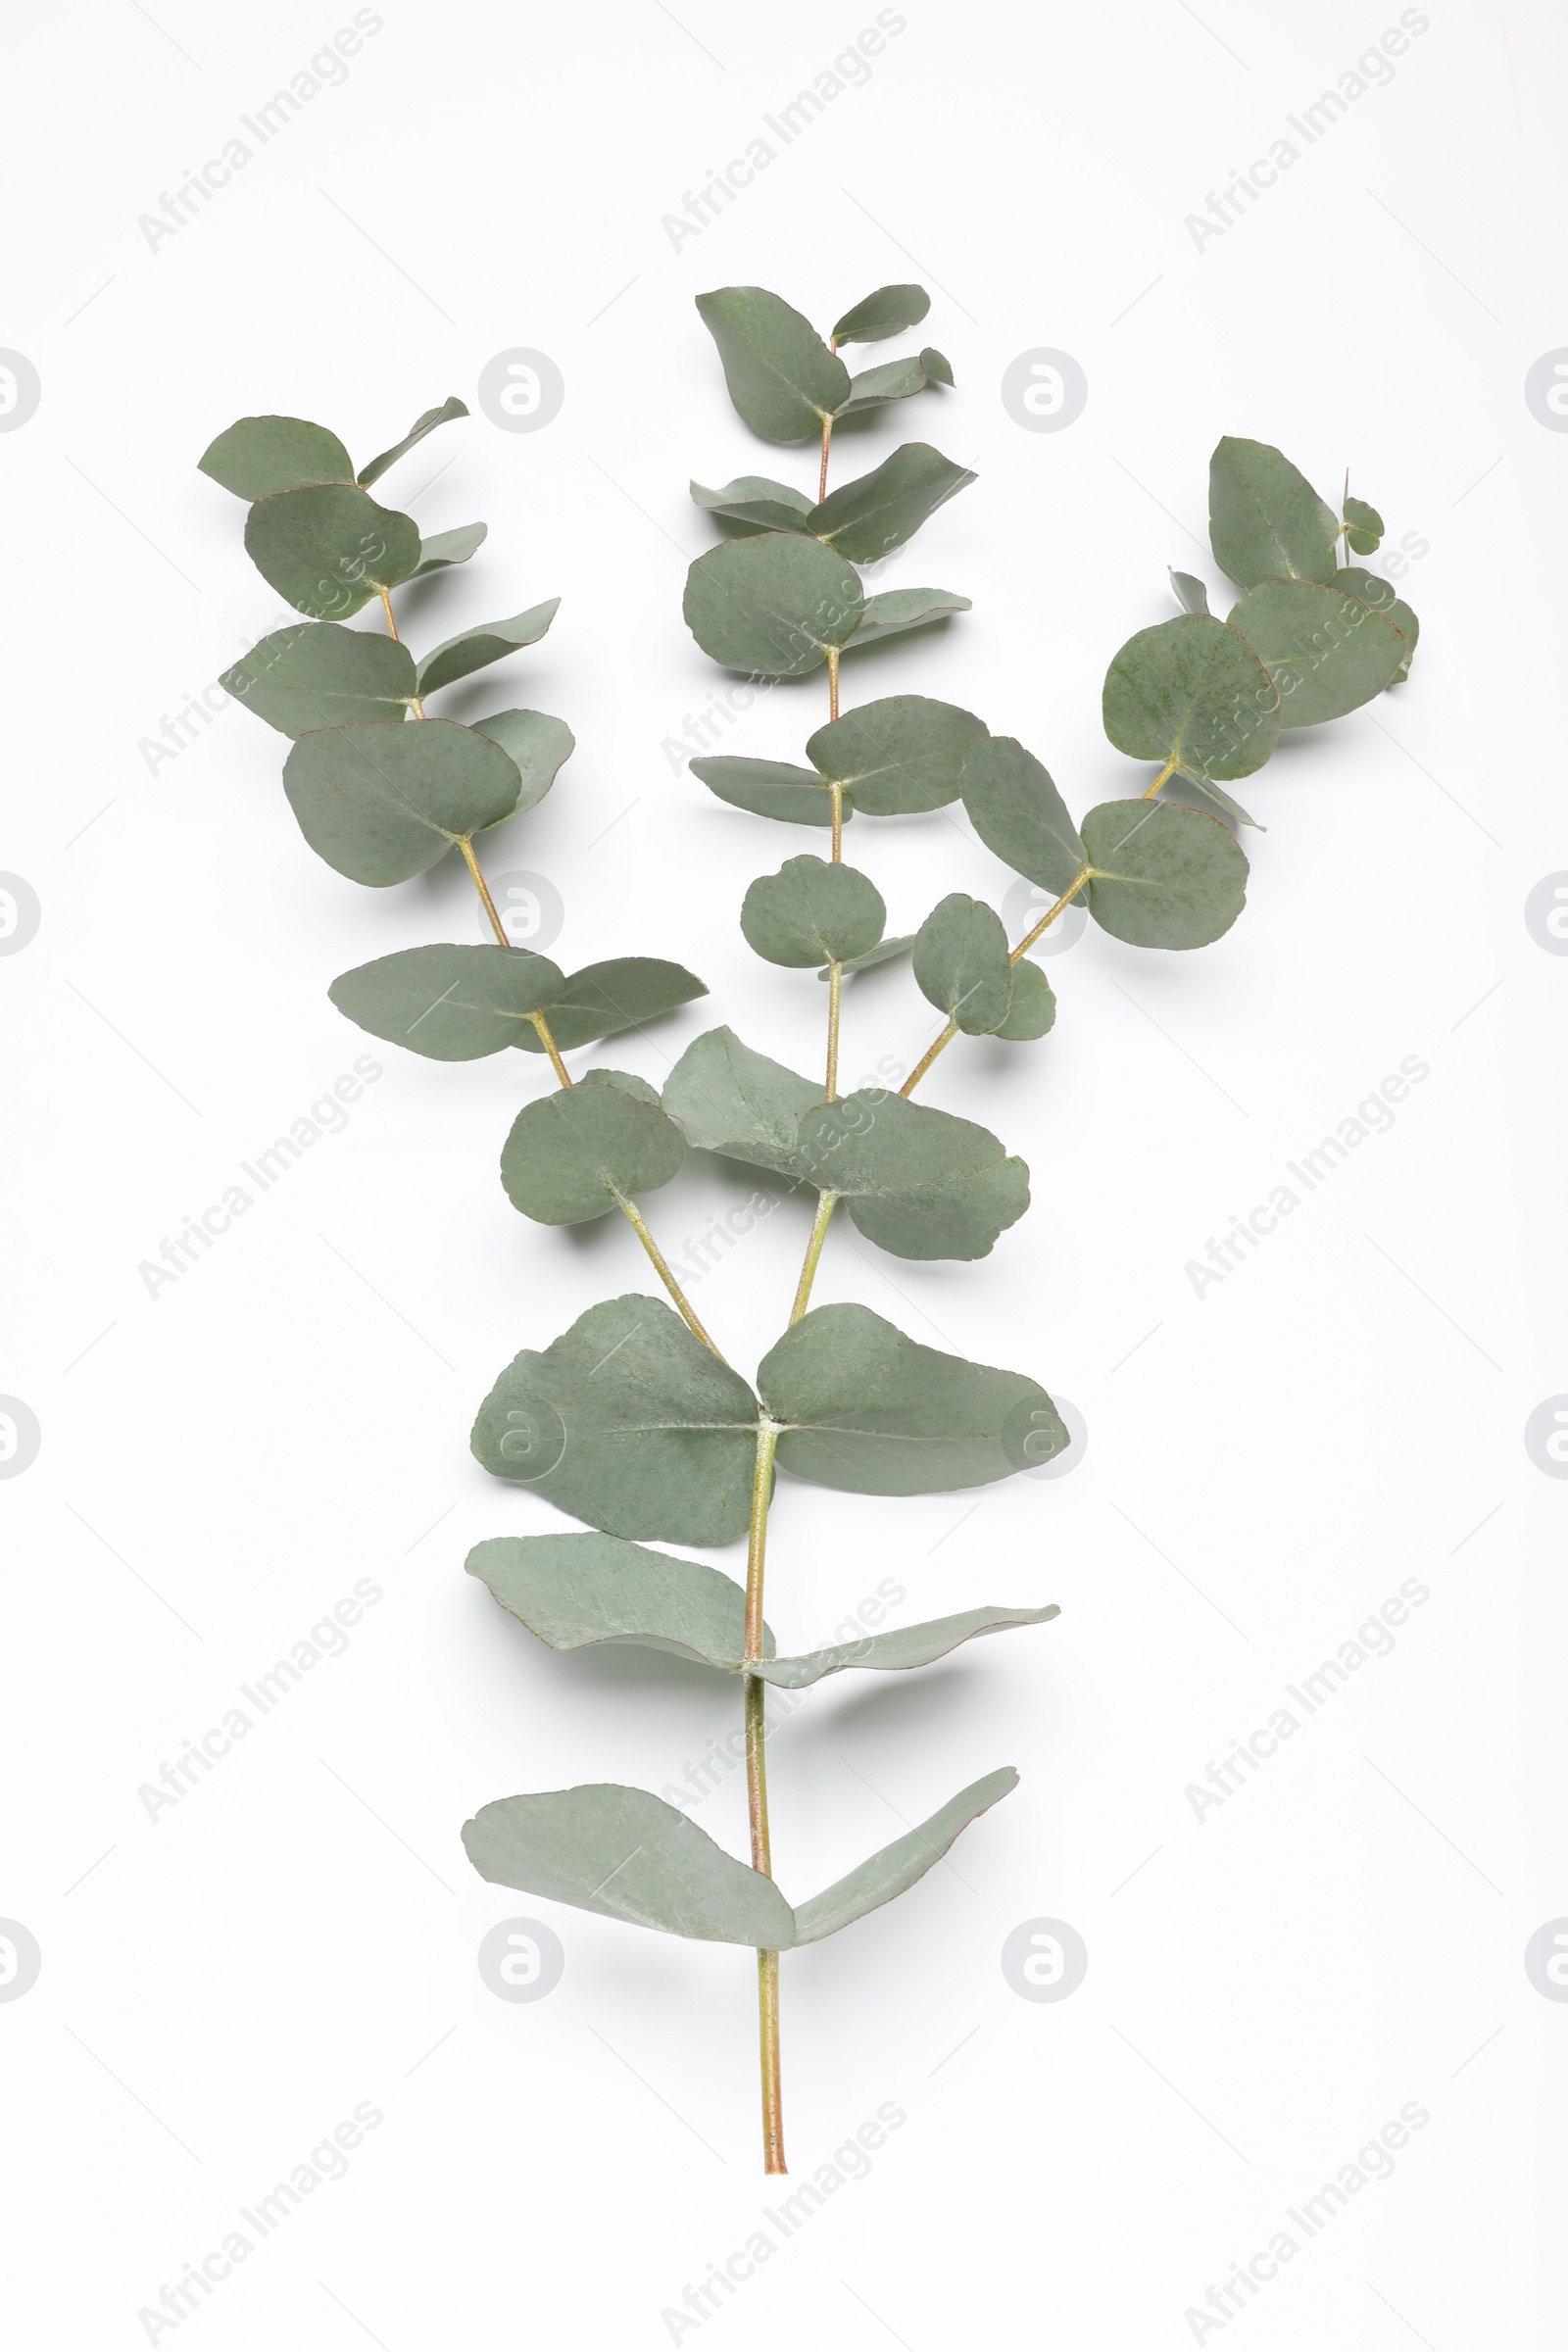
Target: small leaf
895,379
1031,1011
794,796
1018,812
316,675
739,1104
1194,691
867,519
329,551
900,757
782,378
1189,593
1369,589
604,998
898,609
1266,520
898,1866
451,1004
894,1652
450,408
631,1856
384,801
260,456
961,965
917,1182
575,1591
1364,527
773,604
869,1412
446,548
640,1086
887,312
539,746
475,649
1326,653
752,497
811,912
628,1422
586,1150
883,952
1164,876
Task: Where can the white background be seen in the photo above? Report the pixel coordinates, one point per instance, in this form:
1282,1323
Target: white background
1265,1463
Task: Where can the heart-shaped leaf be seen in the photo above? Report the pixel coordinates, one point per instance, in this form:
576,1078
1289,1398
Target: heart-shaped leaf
449,1004
865,519
384,801
898,609
1326,652
316,675
811,913
752,497
1163,876
1266,520
538,745
604,998
772,606
917,1182
329,551
961,965
898,757
738,1103
890,311
1018,812
784,382
450,408
1364,526
794,796
475,649
586,1150
260,456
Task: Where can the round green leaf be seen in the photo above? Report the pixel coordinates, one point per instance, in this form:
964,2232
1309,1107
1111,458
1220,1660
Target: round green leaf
1018,812
381,803
449,1004
782,377
573,1154
1033,1008
1326,652
260,457
811,912
327,551
961,965
1363,527
1369,589
538,745
1164,876
901,756
1194,691
604,998
772,606
316,675
1266,520
794,796
915,1181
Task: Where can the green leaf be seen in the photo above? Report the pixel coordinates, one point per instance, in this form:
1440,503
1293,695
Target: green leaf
869,1412
796,795
586,1150
917,1182
898,757
782,378
1164,876
475,649
739,1104
628,1422
1018,812
604,998
1189,593
446,548
895,379
753,498
898,609
575,1591
773,604
887,312
894,1652
883,952
316,675
898,1866
1194,691
640,1086
629,1855
1032,1011
811,912
867,519
329,551
1369,589
1364,526
1266,520
961,965
260,456
449,1004
450,408
384,801
1326,652
540,747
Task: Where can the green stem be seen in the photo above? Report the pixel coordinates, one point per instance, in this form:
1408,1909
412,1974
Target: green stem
1165,776
825,1205
757,1798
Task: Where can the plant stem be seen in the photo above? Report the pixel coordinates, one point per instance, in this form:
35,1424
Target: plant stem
757,1798
835,984
938,1044
633,1218
489,905
826,1202
1165,776
391,624
821,479
927,1059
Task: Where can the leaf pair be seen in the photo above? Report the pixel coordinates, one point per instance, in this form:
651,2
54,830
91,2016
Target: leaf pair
630,1424
317,674
900,757
382,801
864,519
785,383
458,1003
631,1856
